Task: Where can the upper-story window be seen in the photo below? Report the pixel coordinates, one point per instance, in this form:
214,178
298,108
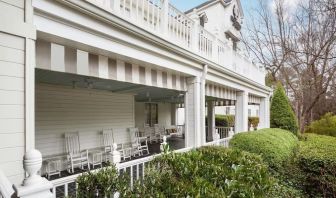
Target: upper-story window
203,19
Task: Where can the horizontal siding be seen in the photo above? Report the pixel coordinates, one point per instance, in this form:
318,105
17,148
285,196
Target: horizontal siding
63,109
11,95
11,11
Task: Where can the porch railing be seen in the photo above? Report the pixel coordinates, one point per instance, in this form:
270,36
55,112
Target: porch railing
135,169
164,20
223,131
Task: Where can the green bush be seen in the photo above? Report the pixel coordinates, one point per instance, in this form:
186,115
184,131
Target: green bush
282,115
103,183
254,121
325,126
206,172
274,145
225,120
317,159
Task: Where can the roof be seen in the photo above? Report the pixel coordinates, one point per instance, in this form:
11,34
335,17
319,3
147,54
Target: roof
205,4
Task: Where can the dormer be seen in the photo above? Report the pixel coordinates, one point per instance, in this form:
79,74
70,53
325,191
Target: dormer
220,17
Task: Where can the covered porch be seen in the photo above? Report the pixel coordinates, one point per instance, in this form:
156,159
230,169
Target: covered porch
87,93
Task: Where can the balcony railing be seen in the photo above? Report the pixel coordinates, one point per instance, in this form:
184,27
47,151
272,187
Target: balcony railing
165,21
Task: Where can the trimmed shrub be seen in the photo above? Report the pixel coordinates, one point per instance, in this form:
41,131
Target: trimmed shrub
325,126
317,159
103,183
206,172
274,145
282,115
254,121
223,120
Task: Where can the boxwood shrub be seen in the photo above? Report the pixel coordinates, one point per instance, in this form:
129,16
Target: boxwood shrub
317,159
274,145
206,172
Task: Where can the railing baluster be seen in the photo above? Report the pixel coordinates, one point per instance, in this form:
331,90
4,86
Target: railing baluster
66,189
137,171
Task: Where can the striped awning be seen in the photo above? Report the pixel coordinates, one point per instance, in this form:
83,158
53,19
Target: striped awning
219,91
252,99
55,57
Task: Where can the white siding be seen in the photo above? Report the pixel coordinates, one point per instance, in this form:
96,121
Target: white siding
11,101
63,109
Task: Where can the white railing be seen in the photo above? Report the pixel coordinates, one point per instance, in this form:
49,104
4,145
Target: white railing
223,131
205,44
146,13
220,142
164,20
180,27
66,186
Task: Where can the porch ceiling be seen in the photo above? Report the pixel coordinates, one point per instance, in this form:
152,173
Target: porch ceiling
142,93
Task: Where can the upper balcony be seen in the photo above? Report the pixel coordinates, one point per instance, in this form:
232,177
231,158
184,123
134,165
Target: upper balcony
165,21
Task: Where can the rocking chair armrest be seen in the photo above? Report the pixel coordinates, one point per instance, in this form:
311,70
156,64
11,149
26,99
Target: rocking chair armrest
85,153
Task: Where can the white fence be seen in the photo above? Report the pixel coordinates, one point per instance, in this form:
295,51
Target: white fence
164,20
136,169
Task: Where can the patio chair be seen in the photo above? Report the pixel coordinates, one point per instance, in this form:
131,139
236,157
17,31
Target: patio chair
108,141
153,137
139,143
75,156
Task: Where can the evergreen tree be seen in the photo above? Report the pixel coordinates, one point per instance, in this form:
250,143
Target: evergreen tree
282,115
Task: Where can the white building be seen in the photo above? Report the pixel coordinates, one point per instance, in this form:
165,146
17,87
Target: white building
70,65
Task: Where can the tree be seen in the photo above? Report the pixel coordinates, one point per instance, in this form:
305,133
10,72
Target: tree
282,115
298,48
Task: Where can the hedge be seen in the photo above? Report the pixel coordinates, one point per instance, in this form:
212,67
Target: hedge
317,159
206,172
325,126
282,114
274,145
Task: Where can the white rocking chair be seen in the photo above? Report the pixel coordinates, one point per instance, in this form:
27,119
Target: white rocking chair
108,140
75,157
139,144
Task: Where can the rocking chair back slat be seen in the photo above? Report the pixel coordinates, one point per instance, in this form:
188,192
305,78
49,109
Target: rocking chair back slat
72,144
108,139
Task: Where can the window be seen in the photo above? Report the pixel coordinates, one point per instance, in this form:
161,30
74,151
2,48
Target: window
151,113
249,113
257,112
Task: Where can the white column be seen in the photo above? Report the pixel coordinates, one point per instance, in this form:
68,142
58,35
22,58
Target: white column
211,121
173,111
264,113
241,118
195,31
194,113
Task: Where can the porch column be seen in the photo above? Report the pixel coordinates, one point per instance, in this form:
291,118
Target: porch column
264,113
194,113
173,111
241,117
211,121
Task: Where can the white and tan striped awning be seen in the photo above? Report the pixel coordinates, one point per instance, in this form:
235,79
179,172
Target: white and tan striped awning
252,99
54,57
218,91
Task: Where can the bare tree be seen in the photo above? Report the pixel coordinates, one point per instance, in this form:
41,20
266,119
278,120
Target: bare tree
302,48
